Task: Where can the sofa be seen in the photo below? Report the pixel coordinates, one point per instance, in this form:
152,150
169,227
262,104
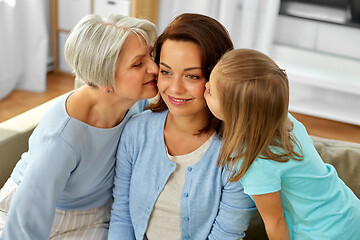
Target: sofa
14,134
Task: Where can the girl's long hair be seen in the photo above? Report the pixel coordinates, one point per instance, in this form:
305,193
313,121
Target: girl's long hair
254,96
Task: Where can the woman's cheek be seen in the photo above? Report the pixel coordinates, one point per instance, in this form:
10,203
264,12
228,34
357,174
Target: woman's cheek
161,84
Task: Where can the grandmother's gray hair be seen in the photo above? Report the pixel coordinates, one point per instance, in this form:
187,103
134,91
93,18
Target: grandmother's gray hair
94,44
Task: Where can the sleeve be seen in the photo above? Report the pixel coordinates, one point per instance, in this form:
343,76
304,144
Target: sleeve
120,224
32,210
263,176
234,214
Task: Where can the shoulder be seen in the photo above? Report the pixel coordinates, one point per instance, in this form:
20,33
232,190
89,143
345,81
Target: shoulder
58,126
146,124
142,131
303,138
263,176
215,146
139,106
143,119
299,129
55,118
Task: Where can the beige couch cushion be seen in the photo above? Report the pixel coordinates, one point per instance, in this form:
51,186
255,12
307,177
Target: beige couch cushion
345,157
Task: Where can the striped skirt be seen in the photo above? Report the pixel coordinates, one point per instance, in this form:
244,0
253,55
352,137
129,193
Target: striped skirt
67,224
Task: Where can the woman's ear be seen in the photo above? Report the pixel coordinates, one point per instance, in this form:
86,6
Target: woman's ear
105,89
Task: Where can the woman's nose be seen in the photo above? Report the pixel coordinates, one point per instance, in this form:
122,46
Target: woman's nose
153,67
177,84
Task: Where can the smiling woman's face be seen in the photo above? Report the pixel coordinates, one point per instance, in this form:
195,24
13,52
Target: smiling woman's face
181,82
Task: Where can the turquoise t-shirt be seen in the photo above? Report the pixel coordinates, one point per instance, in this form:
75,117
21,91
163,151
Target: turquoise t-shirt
317,204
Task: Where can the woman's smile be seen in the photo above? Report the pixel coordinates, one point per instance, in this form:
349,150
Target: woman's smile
178,101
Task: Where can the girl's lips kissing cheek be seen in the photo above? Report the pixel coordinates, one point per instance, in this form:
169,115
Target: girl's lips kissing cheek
178,101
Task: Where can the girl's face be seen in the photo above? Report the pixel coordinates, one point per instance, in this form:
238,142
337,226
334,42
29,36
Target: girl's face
181,82
212,97
136,70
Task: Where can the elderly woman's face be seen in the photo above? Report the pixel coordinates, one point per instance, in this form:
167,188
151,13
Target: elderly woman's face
136,70
181,82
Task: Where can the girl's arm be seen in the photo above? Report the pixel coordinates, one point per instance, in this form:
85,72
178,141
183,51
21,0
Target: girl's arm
272,213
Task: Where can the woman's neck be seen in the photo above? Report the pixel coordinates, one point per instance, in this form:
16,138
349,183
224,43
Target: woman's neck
96,107
181,133
188,125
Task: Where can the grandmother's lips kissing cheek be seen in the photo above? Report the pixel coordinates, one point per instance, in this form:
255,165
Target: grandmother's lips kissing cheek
152,82
178,101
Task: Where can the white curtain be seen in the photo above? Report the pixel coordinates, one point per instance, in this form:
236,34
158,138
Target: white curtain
172,8
250,23
23,45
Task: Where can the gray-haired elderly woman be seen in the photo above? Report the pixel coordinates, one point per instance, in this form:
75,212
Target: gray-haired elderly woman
62,187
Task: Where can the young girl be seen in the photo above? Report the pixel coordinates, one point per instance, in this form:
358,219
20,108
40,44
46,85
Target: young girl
296,193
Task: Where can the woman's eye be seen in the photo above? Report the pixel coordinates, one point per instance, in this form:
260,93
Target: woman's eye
192,76
164,72
136,65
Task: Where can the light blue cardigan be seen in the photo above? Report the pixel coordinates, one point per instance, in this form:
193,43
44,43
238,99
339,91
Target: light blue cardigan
211,207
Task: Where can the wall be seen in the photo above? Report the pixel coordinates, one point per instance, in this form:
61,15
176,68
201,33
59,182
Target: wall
48,25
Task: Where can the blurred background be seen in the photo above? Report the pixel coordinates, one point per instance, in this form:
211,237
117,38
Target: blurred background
316,41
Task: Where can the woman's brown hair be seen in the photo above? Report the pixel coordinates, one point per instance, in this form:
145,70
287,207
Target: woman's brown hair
254,96
213,40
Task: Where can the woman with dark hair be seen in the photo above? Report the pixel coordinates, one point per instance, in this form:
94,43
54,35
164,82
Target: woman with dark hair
167,183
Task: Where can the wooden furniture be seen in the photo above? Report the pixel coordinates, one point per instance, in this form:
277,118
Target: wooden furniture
147,9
